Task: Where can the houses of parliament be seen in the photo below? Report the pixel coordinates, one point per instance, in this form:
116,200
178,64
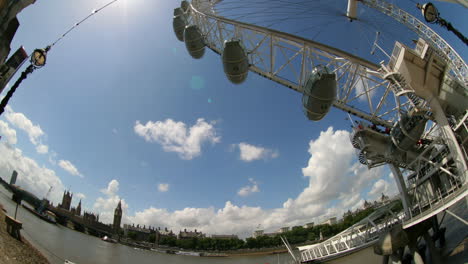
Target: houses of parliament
89,217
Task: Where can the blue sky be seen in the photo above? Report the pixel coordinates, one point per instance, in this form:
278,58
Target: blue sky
217,156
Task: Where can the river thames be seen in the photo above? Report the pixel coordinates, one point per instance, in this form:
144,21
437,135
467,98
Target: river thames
58,243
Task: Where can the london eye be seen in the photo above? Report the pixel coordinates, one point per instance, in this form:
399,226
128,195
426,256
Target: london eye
409,99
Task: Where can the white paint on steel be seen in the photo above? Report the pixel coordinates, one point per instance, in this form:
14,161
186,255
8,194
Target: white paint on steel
300,55
457,64
351,12
303,55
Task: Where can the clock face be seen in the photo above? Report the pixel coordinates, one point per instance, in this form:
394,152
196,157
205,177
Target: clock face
430,13
39,58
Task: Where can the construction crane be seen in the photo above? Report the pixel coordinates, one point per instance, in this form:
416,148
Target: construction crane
43,204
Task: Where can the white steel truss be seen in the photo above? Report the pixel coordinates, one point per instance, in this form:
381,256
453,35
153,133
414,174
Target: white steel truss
362,91
433,185
457,64
361,235
288,59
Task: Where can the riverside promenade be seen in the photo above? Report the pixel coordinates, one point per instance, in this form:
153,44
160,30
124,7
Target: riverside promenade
58,243
13,251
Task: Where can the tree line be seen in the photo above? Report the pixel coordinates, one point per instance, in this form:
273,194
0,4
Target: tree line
205,243
300,235
297,235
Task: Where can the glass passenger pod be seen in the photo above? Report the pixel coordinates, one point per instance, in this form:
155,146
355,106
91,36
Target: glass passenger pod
235,61
178,11
184,5
408,131
194,41
319,93
179,23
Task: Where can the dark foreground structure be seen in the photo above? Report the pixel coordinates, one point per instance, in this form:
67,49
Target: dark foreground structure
14,251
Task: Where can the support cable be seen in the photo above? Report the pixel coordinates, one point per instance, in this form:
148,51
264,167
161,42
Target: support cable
30,69
95,11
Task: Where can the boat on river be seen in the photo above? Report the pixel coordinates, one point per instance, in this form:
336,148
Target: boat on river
46,215
188,253
108,239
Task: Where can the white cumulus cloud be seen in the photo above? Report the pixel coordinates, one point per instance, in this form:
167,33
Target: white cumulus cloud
249,189
250,152
105,206
9,134
34,132
36,136
42,149
53,158
112,188
69,167
336,183
382,186
231,219
31,176
163,187
176,137
80,196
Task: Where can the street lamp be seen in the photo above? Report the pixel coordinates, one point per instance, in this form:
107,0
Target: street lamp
38,60
432,16
39,57
430,12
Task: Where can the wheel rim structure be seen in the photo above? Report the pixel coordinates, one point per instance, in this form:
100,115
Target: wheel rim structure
431,169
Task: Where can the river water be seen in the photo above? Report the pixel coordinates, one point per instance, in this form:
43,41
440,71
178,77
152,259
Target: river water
58,243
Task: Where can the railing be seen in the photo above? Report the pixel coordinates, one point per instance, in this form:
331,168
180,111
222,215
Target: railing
434,183
358,236
436,176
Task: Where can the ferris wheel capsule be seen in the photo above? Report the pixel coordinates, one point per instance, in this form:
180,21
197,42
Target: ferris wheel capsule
178,11
319,93
194,41
408,131
184,5
424,127
179,23
235,61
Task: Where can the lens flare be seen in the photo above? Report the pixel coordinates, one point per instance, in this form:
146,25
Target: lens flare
197,82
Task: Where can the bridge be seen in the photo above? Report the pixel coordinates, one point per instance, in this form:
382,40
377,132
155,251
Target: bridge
80,223
92,226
